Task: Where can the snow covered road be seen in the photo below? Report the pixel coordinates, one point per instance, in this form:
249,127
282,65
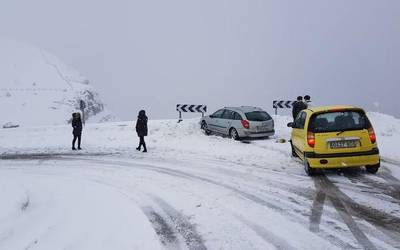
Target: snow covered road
112,202
189,192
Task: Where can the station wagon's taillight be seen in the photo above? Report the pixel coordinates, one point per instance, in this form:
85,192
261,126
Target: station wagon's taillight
245,124
372,136
310,139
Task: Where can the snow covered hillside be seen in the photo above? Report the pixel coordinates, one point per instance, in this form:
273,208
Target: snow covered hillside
36,88
191,191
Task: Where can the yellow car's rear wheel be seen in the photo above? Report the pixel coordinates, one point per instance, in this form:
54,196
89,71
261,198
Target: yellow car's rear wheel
373,168
309,171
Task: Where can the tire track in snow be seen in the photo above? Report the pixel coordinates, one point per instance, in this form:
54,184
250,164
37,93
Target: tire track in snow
322,183
390,161
266,235
389,188
346,207
247,196
184,175
188,231
46,156
389,178
163,228
316,211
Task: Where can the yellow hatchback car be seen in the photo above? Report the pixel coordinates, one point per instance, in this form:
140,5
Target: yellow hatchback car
334,137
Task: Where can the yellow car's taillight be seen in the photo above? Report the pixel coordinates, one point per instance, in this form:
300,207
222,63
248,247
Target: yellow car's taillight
372,136
310,139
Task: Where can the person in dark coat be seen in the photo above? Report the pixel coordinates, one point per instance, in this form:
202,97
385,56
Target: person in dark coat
298,106
77,130
141,129
307,101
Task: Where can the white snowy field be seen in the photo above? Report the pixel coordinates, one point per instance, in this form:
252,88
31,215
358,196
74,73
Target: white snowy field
190,191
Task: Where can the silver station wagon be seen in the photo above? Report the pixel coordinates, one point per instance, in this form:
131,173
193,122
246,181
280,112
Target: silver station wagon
239,122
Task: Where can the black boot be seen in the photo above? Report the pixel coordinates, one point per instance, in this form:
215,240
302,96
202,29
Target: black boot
138,148
73,148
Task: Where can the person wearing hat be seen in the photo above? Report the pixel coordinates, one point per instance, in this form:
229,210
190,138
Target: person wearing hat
298,106
77,130
141,130
307,101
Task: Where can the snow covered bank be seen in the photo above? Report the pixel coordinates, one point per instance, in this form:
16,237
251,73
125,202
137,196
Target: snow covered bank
387,129
167,139
170,139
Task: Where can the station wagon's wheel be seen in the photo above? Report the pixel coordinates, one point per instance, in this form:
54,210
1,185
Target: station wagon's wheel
234,134
373,168
309,171
204,127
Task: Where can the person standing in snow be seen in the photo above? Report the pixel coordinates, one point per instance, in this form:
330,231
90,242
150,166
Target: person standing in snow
307,101
77,130
141,130
298,106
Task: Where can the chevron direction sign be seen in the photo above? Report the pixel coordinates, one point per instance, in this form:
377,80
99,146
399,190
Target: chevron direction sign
190,108
282,105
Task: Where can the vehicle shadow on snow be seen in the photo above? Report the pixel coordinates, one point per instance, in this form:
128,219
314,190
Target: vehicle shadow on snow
245,140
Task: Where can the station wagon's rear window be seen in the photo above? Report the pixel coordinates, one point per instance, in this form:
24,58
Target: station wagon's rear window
258,116
338,121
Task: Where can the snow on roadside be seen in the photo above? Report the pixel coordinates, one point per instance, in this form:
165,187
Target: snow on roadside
49,210
167,139
387,129
185,140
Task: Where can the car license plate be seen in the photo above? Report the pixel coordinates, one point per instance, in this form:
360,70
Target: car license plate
343,144
262,128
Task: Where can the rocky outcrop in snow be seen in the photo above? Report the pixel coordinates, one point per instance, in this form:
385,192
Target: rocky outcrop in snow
36,88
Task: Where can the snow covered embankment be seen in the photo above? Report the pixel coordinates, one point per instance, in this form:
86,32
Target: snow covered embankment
387,129
172,140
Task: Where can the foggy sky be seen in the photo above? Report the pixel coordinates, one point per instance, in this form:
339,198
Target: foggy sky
154,54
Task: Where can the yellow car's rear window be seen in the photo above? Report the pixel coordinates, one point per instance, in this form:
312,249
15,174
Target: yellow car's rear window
338,121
